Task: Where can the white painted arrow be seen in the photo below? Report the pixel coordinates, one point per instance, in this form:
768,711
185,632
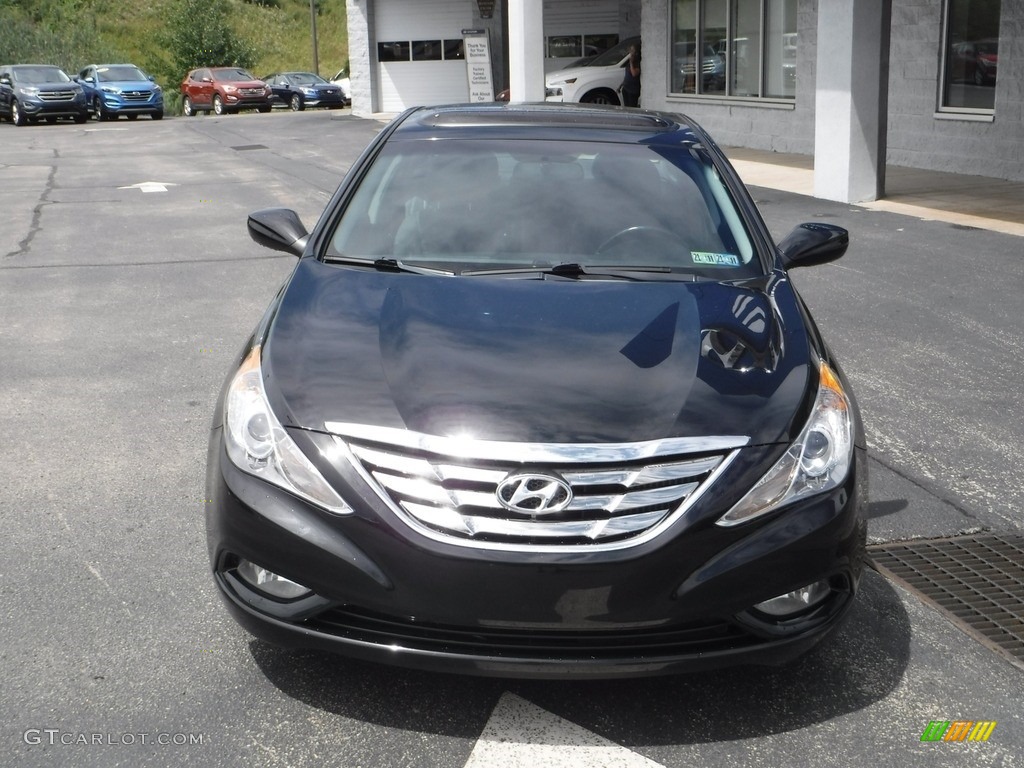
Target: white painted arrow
151,186
522,735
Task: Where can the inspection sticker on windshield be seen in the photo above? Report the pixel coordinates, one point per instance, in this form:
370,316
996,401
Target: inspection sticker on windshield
715,259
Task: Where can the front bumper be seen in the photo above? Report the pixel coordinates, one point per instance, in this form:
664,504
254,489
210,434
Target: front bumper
237,101
36,107
119,105
381,592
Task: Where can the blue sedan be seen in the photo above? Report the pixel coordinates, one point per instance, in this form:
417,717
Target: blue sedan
298,90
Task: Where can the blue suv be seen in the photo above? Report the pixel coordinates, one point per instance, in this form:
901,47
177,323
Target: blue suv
121,89
29,92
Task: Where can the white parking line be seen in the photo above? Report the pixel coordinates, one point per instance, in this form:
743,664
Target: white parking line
522,735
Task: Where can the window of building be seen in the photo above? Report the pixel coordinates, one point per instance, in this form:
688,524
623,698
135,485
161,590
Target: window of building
420,50
970,54
578,46
426,50
747,48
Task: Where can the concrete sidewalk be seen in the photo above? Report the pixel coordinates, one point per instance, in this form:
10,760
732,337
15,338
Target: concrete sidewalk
970,201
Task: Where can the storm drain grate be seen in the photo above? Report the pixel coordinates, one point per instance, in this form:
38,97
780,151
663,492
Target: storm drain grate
976,580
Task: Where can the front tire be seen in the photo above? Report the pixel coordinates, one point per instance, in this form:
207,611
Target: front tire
82,119
97,108
601,96
218,105
17,116
186,107
157,115
296,103
132,117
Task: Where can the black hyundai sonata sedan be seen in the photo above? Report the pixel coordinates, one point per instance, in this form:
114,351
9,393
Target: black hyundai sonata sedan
539,399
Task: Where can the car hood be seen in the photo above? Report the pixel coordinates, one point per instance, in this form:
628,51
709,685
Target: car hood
242,83
537,360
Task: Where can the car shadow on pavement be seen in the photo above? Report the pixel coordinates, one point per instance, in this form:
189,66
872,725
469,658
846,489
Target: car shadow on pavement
859,665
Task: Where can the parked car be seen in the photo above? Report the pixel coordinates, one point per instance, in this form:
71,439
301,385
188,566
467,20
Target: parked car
712,68
343,81
223,90
596,82
539,399
976,60
121,89
298,90
29,92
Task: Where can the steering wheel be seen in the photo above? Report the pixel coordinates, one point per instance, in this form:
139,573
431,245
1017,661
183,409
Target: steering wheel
662,247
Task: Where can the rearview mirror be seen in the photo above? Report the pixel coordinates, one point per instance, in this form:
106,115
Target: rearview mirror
813,243
280,229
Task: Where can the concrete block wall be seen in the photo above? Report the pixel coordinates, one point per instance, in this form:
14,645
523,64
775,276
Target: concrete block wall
361,69
917,138
777,128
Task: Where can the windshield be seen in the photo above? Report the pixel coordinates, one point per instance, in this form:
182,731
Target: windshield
470,205
231,74
305,78
40,75
613,55
119,74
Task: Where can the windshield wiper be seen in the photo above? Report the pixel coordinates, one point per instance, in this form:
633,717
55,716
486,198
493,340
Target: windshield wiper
575,270
385,265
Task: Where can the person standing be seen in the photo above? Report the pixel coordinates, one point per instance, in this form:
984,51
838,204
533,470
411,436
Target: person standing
630,87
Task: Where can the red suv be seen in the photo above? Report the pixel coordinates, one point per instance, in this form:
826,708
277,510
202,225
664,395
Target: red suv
223,90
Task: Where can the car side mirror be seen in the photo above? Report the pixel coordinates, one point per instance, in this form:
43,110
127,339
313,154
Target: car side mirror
5,80
813,243
280,229
207,80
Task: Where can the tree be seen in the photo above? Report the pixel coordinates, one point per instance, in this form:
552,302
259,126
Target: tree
200,35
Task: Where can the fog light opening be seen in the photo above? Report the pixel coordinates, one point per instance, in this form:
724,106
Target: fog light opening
795,602
270,583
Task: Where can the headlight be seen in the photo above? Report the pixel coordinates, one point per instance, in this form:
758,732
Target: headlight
28,91
309,91
257,443
109,89
818,461
230,89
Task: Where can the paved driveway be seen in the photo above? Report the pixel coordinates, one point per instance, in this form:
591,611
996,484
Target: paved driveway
122,307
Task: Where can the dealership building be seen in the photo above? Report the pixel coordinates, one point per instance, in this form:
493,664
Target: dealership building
932,84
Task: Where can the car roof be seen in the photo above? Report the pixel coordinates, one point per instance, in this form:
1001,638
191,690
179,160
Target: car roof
552,120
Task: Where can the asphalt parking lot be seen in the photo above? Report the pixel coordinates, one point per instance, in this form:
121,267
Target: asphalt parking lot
128,285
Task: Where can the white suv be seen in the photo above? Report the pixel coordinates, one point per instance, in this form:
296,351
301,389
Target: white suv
596,82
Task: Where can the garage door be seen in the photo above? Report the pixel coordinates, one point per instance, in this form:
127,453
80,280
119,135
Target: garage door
577,28
419,52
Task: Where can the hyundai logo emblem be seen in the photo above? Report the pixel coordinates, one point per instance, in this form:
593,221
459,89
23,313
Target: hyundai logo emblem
534,494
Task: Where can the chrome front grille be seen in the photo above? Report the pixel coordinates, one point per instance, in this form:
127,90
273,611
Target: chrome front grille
57,95
479,492
136,95
251,91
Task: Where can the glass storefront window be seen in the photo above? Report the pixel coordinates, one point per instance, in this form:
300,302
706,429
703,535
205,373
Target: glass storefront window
971,54
748,48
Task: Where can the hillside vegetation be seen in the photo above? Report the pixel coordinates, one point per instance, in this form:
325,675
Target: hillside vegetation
165,37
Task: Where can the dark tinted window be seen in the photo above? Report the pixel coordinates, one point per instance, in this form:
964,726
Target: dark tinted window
114,74
393,51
